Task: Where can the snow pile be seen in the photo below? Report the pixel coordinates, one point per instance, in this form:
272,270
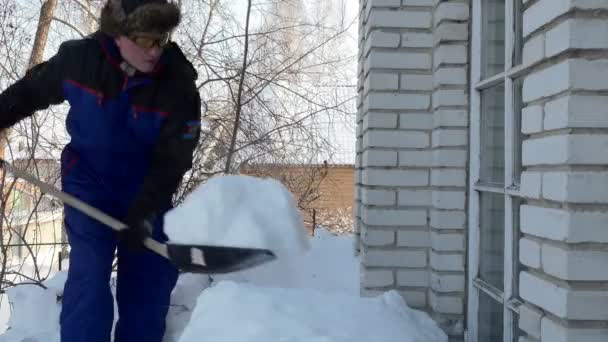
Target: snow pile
236,312
329,265
183,301
35,316
240,211
306,295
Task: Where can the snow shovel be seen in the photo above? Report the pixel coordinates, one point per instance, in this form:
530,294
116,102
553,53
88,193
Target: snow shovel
187,258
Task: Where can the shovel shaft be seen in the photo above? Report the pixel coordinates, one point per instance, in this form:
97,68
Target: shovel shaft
82,206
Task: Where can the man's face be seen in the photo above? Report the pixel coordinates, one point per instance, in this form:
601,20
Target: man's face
142,52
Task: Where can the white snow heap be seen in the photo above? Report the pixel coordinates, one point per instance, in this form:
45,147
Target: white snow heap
235,312
239,211
36,311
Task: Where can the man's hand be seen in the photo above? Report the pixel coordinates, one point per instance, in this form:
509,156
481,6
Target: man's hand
138,230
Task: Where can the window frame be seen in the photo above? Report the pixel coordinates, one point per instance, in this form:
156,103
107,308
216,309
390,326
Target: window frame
510,189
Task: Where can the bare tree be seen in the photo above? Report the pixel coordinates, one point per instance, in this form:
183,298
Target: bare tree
264,78
268,71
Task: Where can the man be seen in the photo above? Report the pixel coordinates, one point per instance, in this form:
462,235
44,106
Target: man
133,122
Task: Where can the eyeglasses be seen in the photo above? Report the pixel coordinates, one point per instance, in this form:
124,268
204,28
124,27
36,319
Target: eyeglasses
146,42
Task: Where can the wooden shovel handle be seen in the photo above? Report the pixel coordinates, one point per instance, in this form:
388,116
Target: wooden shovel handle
82,206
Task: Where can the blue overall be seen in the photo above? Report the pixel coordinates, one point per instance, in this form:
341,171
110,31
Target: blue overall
104,164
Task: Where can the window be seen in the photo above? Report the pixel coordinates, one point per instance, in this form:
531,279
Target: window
496,166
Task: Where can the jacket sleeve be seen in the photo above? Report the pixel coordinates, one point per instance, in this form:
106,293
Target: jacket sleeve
38,89
172,158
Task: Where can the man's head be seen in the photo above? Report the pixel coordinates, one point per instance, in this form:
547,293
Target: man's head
140,27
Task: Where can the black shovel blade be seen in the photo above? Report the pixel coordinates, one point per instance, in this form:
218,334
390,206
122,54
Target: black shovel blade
216,259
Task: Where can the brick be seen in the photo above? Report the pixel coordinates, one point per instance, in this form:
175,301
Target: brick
564,225
395,177
378,197
447,262
397,60
447,282
400,139
529,252
416,82
451,11
577,33
441,219
576,186
447,304
445,199
379,38
377,237
531,183
413,238
414,198
451,32
555,332
566,149
450,158
381,81
529,320
448,177
568,74
532,119
566,264
447,242
397,101
379,158
546,82
394,258
384,3
413,278
449,54
449,137
534,50
574,304
377,278
416,121
394,217
399,19
543,12
417,40
418,2
449,97
379,120
414,299
576,111
450,76
415,158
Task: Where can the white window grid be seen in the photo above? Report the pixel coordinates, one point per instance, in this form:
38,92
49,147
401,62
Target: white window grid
510,189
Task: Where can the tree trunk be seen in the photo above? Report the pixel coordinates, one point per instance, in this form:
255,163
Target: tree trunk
42,32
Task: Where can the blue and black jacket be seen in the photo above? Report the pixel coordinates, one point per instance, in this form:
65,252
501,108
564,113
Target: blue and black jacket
131,137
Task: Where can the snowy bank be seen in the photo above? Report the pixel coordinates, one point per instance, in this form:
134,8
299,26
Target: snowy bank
310,293
319,304
232,312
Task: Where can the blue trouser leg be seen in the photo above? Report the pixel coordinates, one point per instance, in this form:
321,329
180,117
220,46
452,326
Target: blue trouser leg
87,305
144,285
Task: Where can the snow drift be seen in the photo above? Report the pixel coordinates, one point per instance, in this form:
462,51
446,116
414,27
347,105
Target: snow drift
233,312
239,211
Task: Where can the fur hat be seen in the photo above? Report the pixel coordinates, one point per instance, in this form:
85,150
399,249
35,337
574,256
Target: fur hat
121,17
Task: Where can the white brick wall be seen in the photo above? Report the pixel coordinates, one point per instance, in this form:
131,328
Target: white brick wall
397,120
414,153
563,302
394,258
554,331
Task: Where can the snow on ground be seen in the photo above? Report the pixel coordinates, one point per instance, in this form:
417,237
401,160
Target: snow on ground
308,295
330,265
304,315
